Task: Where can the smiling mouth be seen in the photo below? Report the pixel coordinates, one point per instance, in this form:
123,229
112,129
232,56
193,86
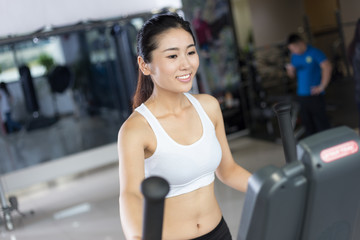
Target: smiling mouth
184,78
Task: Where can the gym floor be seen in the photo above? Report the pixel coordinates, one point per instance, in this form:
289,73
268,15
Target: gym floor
86,206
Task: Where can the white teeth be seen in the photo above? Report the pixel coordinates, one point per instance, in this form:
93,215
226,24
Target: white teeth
184,77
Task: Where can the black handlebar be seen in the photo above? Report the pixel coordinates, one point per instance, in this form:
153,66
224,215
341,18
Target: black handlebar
282,111
154,190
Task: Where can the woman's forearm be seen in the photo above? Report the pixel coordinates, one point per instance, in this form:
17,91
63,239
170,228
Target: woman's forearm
131,207
236,177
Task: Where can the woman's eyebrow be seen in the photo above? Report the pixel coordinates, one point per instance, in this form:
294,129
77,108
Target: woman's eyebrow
177,49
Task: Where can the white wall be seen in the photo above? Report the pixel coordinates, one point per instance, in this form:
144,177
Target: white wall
23,16
273,20
350,10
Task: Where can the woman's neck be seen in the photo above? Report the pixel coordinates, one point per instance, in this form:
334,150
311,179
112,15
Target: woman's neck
167,102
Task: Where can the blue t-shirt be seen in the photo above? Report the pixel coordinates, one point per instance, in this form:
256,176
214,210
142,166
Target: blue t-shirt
308,69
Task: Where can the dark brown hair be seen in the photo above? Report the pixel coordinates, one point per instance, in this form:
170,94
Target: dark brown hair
146,43
294,38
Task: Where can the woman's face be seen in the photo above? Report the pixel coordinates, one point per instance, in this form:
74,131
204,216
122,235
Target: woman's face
174,62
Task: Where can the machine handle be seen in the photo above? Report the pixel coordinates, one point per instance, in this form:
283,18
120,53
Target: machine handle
154,190
282,111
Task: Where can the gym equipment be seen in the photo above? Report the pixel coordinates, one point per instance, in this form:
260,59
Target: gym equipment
313,197
27,84
6,209
36,120
123,38
60,78
8,205
283,114
268,87
154,190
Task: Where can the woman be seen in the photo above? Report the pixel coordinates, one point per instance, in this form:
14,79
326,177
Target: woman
175,135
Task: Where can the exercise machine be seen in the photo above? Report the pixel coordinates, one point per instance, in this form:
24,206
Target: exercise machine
314,196
154,190
36,120
10,204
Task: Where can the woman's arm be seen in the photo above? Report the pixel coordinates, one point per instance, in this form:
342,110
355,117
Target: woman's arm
229,172
131,174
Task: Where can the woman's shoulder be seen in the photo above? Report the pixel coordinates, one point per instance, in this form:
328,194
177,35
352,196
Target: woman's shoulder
134,127
210,104
207,101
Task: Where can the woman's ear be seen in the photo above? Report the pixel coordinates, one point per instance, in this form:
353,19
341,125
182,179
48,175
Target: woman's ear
144,67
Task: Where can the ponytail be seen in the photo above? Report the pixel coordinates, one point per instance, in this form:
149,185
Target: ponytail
144,89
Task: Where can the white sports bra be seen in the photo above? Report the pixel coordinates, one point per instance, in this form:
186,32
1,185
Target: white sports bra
185,167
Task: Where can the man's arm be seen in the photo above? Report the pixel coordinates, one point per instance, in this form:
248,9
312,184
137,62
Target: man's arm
290,70
326,69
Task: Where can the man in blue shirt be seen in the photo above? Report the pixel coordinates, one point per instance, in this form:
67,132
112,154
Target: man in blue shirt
313,72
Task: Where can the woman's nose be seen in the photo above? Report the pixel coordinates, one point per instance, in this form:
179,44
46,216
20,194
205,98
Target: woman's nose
185,63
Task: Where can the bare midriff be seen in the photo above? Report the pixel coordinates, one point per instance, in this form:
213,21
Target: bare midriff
191,215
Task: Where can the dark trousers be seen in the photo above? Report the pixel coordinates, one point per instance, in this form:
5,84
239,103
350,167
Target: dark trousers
220,232
313,114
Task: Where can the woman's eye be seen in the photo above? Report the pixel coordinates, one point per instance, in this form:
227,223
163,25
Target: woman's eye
192,53
172,56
